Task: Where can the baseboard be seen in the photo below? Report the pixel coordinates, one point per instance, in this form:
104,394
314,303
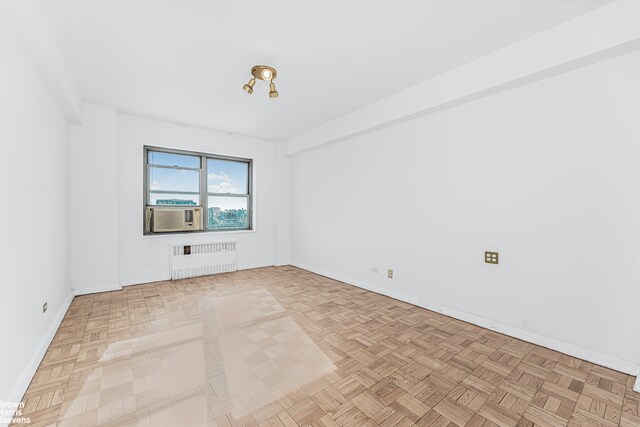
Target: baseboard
155,279
32,366
282,262
87,291
165,278
252,266
592,356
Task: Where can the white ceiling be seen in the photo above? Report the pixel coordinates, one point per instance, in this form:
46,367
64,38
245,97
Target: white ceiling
186,60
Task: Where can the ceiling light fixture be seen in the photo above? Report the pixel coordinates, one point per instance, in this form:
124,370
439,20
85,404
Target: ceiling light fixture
266,73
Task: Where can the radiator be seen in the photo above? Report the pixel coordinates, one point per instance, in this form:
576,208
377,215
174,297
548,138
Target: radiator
203,259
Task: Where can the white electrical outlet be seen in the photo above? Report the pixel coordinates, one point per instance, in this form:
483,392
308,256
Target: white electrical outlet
390,273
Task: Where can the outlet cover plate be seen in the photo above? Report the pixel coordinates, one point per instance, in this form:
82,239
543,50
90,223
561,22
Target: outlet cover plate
491,257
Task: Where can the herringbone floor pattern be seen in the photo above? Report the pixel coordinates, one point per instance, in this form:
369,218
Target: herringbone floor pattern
283,347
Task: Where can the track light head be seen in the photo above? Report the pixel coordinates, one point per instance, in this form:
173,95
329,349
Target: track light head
249,86
273,93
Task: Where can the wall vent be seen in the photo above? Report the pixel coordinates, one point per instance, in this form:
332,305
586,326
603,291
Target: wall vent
202,259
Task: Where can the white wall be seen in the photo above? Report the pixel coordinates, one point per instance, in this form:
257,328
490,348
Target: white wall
34,253
29,22
546,174
94,200
146,258
283,206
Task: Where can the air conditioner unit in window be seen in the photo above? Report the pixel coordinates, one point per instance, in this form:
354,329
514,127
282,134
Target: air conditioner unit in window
170,219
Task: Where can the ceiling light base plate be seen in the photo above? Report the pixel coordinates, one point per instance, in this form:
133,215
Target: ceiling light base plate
264,72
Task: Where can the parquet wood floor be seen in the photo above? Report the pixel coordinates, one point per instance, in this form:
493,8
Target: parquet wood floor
282,347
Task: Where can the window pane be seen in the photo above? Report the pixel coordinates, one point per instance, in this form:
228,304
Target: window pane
169,180
227,212
227,177
168,159
174,199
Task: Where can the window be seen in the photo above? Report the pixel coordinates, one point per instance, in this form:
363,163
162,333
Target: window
220,185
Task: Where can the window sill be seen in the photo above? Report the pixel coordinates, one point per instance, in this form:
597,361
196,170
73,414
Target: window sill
199,233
